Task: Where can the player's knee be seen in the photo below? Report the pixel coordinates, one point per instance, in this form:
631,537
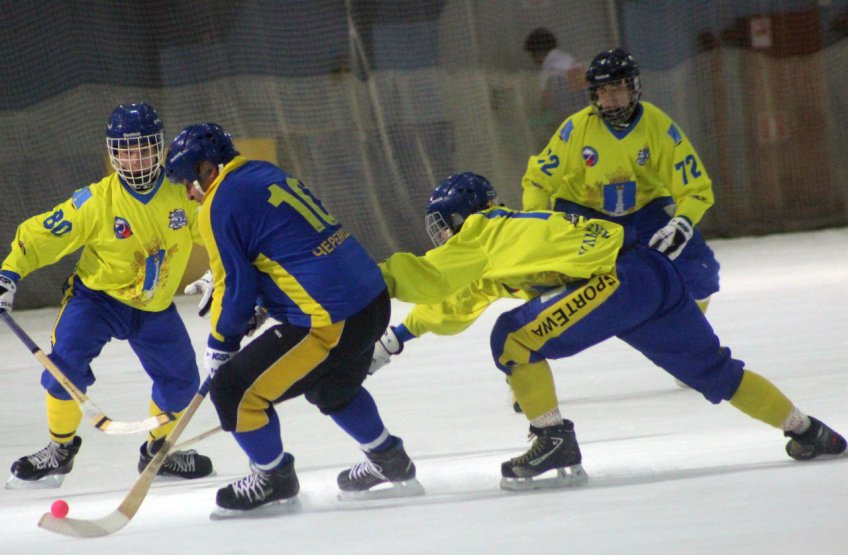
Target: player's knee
55,389
329,400
225,386
504,325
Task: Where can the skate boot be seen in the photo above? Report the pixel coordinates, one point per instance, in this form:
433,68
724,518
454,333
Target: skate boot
554,448
261,493
179,464
45,468
391,468
816,441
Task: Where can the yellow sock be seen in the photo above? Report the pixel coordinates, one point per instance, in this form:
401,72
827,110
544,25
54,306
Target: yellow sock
63,418
703,304
161,431
759,398
533,387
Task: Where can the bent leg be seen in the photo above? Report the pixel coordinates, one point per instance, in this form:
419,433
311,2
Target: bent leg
163,346
83,327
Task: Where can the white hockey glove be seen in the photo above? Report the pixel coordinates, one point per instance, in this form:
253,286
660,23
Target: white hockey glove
214,359
204,286
7,293
260,316
387,346
671,239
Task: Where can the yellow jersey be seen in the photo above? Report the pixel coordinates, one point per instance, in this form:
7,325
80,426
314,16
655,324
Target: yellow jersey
531,252
135,248
617,172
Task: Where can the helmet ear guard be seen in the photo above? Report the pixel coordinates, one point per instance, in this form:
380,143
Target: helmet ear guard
456,198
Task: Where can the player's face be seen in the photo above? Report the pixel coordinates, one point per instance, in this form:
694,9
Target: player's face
613,95
137,158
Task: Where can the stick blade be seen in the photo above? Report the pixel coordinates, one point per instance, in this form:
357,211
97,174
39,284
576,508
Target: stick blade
125,428
77,528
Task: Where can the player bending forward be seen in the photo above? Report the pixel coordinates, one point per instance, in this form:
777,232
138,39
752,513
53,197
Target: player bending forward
270,239
588,282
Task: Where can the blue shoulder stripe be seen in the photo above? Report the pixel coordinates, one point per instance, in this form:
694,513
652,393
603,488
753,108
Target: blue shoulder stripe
566,131
674,133
501,213
80,196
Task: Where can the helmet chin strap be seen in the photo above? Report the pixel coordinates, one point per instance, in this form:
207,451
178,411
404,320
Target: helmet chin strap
196,183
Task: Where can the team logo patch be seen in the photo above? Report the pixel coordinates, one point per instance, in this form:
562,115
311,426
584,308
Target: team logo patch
643,156
122,228
590,156
177,219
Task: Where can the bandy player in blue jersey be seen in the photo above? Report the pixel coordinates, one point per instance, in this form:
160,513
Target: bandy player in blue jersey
269,238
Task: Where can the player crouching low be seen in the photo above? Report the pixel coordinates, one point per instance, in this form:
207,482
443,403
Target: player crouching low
269,238
587,281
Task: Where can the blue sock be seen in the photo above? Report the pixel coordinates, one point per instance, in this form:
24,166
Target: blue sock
264,445
361,420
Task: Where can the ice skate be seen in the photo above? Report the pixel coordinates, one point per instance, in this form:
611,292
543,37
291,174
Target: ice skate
45,468
178,464
818,440
389,473
261,493
554,448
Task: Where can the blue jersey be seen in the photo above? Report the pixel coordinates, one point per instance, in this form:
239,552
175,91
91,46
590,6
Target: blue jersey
269,238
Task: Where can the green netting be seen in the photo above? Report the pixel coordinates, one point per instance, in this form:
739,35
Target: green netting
371,103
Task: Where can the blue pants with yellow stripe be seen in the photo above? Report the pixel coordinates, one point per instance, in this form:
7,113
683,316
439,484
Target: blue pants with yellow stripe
646,304
89,319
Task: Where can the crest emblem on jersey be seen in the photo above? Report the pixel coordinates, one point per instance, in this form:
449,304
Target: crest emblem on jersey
590,156
643,156
122,228
177,219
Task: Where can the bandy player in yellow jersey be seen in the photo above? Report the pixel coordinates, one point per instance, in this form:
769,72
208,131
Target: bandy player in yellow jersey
625,160
619,159
136,231
587,281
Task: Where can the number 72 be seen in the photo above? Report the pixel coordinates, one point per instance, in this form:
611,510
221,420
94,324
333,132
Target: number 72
692,162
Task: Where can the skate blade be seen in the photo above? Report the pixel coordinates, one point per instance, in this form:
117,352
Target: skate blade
268,510
48,482
570,476
406,488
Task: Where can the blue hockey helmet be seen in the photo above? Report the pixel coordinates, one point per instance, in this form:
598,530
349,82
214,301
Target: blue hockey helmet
136,145
612,67
195,144
456,198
